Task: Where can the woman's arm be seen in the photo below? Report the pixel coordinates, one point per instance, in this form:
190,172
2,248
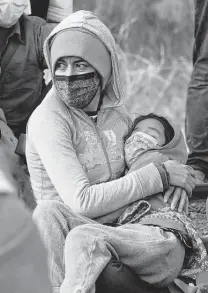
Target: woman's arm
112,217
52,141
147,158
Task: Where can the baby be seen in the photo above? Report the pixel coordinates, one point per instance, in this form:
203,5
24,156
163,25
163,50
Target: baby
153,139
150,133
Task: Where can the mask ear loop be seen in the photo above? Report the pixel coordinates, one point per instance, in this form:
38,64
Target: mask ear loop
101,92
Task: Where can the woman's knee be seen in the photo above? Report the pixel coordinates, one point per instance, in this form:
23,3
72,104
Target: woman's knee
79,232
81,236
166,256
174,260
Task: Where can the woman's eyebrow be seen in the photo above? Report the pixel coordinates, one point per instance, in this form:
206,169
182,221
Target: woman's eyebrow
61,60
80,60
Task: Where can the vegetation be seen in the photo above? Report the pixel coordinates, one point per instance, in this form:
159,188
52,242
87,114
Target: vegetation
154,40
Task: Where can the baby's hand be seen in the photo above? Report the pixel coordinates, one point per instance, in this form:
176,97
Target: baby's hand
177,198
200,177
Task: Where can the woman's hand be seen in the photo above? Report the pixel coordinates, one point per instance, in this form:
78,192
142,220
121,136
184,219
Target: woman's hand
177,198
181,175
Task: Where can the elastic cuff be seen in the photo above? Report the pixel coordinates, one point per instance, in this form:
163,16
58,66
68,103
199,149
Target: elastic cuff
164,175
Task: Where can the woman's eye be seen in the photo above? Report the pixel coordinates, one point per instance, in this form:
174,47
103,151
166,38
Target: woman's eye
81,66
61,66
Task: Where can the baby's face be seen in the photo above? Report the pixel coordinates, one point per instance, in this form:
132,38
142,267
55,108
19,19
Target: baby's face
153,127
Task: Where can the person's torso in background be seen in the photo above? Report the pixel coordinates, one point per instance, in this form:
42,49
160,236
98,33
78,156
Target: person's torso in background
21,79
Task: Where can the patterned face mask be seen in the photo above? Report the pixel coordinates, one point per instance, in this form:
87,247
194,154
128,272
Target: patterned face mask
77,90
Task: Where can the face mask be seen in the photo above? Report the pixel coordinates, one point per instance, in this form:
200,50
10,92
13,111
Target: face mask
137,144
77,90
10,11
28,10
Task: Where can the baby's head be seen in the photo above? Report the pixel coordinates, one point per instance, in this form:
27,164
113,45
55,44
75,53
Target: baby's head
155,126
149,132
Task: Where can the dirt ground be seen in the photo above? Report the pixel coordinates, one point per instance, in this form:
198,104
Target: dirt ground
197,212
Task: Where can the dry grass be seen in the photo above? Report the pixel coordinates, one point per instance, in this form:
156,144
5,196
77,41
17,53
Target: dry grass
155,87
154,40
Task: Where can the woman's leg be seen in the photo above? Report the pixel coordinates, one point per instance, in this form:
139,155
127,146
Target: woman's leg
197,101
154,255
54,220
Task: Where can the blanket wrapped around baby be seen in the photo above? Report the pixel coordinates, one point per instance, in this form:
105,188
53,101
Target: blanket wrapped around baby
153,210
196,257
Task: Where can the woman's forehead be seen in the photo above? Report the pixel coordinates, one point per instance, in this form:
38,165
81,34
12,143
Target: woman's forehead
71,59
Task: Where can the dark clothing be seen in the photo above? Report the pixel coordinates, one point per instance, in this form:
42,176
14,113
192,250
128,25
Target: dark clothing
22,65
39,7
197,99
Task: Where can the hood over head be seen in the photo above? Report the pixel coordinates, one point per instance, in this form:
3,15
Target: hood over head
176,149
80,43
83,35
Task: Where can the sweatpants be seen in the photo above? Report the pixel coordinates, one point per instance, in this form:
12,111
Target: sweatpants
76,259
54,221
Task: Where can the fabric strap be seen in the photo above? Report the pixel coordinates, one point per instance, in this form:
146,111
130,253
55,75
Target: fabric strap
178,286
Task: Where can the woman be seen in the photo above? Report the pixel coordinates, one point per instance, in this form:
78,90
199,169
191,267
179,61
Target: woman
75,145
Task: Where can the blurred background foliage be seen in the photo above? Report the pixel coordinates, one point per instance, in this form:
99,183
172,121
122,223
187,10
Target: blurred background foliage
154,40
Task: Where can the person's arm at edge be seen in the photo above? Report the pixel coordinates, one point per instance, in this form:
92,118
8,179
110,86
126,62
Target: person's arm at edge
23,259
197,93
41,33
55,14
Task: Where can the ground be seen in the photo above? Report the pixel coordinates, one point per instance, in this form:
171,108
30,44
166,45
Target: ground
197,212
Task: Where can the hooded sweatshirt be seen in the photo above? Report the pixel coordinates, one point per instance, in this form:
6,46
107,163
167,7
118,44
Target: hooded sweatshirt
75,160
